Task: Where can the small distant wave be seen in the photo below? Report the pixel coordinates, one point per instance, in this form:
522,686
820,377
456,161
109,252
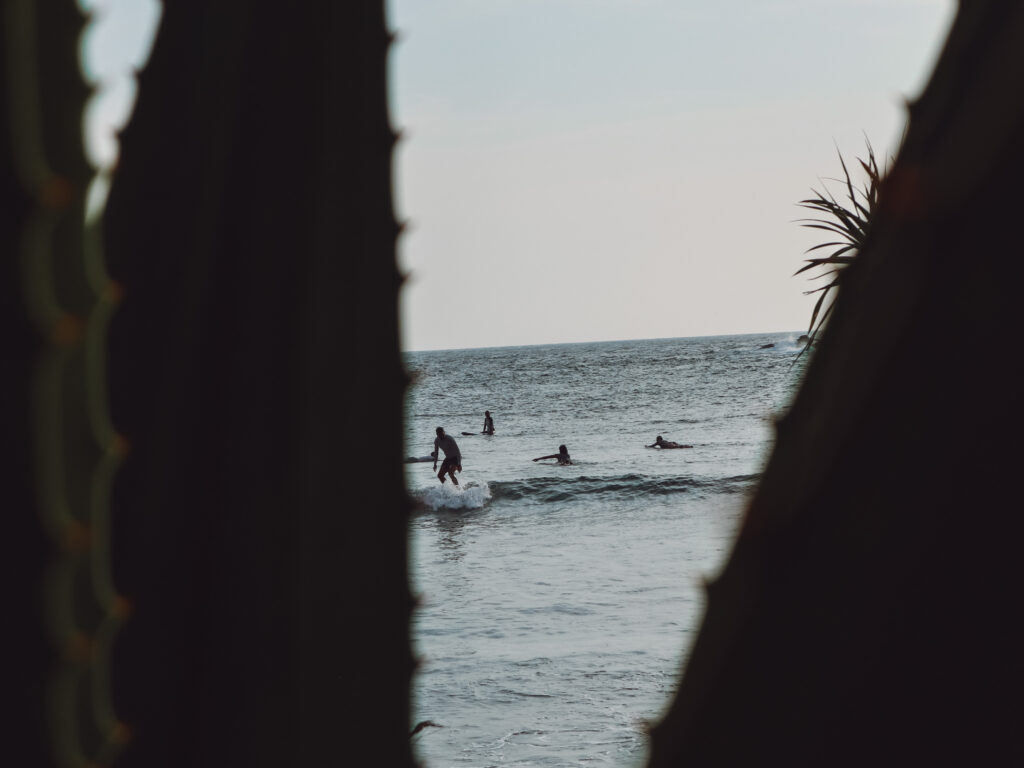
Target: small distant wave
553,489
448,496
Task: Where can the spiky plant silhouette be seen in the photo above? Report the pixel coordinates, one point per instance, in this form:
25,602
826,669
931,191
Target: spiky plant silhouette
850,221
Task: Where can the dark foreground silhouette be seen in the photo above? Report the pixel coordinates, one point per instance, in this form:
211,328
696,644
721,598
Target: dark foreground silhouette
257,597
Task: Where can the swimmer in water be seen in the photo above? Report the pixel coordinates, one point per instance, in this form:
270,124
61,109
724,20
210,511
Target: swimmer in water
562,456
660,443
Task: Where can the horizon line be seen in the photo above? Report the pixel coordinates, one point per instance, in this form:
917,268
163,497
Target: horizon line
597,341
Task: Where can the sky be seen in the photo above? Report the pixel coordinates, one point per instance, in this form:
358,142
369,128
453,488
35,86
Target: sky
586,170
115,44
590,170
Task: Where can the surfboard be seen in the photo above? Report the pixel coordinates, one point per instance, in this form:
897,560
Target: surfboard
414,459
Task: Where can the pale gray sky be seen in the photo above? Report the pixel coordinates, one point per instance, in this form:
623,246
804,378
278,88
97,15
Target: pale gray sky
116,43
583,170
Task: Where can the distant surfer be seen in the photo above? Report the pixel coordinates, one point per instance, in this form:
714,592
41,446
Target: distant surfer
562,456
660,443
488,423
452,457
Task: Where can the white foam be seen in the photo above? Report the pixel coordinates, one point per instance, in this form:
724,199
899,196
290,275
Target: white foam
466,496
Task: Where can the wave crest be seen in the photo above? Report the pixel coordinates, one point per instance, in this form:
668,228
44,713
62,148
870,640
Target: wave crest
447,496
552,489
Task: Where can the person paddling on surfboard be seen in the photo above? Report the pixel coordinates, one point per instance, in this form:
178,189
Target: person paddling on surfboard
452,457
488,423
562,456
659,443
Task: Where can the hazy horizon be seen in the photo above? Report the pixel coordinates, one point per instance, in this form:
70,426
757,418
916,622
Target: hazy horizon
607,341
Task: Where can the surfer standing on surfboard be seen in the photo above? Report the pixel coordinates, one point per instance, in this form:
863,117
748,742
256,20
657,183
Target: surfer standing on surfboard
488,423
452,456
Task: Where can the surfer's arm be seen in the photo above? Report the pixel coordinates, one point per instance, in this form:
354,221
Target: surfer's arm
552,456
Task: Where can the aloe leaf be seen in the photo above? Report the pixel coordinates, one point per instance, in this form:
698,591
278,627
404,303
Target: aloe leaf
828,228
817,308
826,245
849,220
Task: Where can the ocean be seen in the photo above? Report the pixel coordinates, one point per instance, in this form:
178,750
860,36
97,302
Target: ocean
557,603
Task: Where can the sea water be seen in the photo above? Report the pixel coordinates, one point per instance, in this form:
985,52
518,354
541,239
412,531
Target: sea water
558,603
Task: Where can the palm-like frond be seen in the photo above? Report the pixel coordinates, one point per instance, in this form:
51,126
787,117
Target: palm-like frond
849,220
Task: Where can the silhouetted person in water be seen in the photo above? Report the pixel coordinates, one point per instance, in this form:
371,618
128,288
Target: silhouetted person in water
452,457
488,423
659,443
562,456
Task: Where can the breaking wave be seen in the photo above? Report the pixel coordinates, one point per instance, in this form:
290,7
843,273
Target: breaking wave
470,495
